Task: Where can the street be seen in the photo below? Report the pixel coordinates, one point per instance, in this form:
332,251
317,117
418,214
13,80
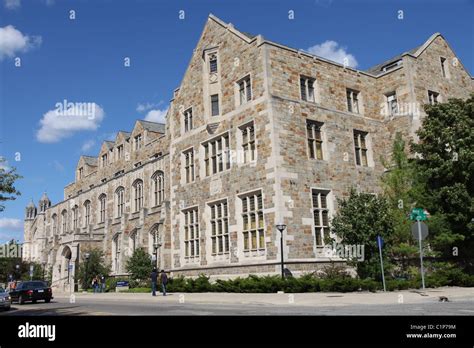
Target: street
461,302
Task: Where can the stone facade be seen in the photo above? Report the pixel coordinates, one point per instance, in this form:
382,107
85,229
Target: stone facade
241,99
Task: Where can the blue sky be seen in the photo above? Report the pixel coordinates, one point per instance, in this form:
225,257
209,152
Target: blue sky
82,60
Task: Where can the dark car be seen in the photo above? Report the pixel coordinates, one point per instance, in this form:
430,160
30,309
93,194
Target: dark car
31,291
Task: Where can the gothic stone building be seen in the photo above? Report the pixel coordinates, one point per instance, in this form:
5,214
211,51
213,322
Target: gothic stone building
257,134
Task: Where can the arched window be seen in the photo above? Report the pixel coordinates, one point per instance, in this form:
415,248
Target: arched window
75,214
64,221
54,219
158,183
102,205
137,195
87,213
120,201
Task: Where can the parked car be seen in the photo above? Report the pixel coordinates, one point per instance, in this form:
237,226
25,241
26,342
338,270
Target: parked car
5,300
31,291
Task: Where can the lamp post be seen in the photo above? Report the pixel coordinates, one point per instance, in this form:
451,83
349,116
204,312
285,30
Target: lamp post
86,256
281,227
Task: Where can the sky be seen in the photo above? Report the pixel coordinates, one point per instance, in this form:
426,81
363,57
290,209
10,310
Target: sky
49,55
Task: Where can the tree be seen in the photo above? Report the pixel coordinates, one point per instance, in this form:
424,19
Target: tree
91,268
360,218
8,176
401,190
445,162
139,265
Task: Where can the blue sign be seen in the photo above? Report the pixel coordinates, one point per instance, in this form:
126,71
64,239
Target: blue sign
70,267
122,283
379,241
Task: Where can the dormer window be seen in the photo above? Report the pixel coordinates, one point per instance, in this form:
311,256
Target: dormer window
138,142
391,65
104,160
213,64
119,151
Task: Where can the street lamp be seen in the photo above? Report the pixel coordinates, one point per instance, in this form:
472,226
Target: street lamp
281,227
86,256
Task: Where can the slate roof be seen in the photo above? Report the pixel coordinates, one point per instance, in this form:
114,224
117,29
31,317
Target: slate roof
153,126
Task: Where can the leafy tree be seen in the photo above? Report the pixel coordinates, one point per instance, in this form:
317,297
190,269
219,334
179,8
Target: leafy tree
8,176
139,265
360,218
445,163
401,190
91,268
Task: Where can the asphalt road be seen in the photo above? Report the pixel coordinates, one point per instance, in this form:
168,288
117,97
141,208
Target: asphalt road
95,306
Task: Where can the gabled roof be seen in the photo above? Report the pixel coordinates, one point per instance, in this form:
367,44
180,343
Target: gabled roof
126,135
89,160
378,69
110,144
153,126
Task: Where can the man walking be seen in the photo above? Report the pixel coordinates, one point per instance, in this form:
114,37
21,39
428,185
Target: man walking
154,278
164,281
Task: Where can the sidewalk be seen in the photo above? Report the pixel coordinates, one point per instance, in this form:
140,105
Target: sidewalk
303,299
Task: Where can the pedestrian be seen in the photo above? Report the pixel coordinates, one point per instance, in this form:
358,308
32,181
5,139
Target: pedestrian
95,284
102,283
154,278
164,281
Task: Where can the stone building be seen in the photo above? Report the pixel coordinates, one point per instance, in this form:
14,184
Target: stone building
257,134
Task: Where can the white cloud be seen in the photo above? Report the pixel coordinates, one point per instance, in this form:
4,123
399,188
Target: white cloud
57,125
12,4
332,51
156,115
13,41
11,224
148,106
89,144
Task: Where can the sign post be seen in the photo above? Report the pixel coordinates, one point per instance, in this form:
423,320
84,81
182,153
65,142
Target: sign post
380,244
419,231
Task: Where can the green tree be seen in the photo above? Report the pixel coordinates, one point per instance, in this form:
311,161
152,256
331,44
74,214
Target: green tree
139,265
360,218
445,164
88,269
8,176
401,191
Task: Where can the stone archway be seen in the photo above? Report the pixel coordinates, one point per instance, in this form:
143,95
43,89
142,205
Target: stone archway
64,268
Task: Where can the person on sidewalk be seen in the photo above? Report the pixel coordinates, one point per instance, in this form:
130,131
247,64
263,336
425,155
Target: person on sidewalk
164,281
95,284
154,279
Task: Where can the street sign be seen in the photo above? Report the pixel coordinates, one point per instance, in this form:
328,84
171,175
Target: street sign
418,214
380,244
70,267
379,241
423,230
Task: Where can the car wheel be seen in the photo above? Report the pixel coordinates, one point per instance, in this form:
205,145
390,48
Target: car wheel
21,300
8,308
48,300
